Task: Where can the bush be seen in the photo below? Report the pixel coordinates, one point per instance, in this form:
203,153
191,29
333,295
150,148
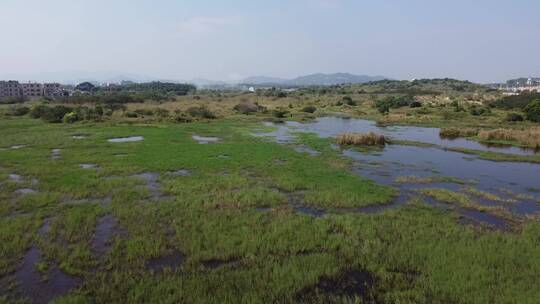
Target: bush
361,139
19,111
37,111
514,117
201,112
532,111
477,111
415,104
280,113
309,109
247,107
161,113
348,101
131,115
143,112
70,117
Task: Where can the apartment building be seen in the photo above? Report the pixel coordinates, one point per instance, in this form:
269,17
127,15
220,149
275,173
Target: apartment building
31,90
10,89
14,89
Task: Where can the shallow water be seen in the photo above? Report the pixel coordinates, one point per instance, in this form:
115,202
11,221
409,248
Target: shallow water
171,262
205,140
386,165
33,287
332,126
89,166
105,229
126,139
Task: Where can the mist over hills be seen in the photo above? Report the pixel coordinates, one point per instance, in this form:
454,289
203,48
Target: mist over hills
313,79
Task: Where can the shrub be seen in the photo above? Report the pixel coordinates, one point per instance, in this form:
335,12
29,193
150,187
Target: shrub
361,139
201,112
143,112
477,111
19,111
514,117
415,104
247,107
280,113
70,117
309,109
38,110
161,113
131,115
348,101
532,111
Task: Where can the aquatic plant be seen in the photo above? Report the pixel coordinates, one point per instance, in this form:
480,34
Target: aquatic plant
361,139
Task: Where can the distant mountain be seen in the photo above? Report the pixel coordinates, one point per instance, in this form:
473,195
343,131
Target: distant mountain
263,80
313,80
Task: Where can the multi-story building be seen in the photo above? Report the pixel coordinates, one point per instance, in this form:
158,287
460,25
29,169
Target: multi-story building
31,90
52,90
10,88
14,89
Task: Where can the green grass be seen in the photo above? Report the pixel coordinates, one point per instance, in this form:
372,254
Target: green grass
236,209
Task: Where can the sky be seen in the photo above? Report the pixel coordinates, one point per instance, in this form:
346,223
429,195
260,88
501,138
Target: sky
482,41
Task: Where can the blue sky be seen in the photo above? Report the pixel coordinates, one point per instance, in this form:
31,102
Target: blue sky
479,40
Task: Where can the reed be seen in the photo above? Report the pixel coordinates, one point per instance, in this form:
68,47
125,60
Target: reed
455,133
529,137
361,139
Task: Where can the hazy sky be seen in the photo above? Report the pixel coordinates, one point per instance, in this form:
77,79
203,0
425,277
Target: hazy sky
479,40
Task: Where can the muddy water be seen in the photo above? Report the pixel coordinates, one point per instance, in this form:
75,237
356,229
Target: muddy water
171,262
101,243
508,180
34,287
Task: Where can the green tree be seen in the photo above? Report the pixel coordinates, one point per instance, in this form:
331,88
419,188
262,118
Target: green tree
532,111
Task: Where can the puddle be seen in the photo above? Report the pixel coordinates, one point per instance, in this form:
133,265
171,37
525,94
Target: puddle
217,263
121,155
89,166
171,262
79,136
56,153
152,184
485,218
105,228
205,140
17,147
34,287
308,150
45,228
126,139
25,191
181,172
16,178
351,284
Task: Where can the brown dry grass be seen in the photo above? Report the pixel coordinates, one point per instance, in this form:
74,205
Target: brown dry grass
529,137
361,139
455,133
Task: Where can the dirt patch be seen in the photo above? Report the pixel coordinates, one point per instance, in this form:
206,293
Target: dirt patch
171,262
352,284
